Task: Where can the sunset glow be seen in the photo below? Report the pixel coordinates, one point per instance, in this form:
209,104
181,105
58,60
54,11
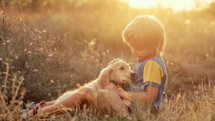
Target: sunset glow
174,4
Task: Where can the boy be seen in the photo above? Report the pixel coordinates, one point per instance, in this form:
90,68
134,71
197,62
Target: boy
145,36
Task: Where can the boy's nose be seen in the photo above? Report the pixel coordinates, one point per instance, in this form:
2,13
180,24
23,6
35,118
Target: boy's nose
132,76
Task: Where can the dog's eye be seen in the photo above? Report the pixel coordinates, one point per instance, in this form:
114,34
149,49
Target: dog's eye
121,68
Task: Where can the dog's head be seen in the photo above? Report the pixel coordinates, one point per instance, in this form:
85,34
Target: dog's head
119,72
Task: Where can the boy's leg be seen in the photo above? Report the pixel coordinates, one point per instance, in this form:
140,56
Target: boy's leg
50,103
85,94
112,102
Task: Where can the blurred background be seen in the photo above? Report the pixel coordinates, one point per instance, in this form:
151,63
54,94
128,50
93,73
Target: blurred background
56,45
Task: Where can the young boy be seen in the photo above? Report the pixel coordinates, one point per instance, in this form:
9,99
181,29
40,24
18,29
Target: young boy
145,36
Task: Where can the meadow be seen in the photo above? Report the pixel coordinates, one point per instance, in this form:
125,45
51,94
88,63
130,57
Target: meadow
48,47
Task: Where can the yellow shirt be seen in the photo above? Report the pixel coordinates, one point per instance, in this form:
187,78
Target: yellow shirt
152,72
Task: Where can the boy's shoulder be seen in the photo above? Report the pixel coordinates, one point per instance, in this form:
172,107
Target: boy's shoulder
153,62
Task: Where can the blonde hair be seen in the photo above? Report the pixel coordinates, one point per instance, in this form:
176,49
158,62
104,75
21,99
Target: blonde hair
145,31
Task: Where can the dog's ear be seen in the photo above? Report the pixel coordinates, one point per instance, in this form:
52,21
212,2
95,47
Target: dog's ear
106,72
114,60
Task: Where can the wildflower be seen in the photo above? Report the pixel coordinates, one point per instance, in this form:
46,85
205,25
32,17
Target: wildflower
3,43
44,31
31,43
21,78
29,52
25,50
36,30
52,81
0,59
35,70
27,65
50,55
8,41
16,57
49,94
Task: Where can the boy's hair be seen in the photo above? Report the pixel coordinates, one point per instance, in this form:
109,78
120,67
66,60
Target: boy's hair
145,31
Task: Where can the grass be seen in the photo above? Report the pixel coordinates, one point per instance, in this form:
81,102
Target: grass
189,106
48,51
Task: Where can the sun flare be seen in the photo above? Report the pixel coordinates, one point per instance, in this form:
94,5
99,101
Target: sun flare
174,4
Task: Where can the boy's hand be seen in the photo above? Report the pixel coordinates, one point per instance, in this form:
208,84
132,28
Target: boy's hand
112,87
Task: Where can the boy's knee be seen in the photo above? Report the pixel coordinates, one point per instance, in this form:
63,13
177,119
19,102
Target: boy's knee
89,94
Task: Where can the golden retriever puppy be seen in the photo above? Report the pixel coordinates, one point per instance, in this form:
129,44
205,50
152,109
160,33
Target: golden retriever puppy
117,72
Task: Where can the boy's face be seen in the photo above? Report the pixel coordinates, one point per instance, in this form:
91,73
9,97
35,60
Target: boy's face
141,54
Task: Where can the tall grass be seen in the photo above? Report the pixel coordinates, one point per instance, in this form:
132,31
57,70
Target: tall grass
11,94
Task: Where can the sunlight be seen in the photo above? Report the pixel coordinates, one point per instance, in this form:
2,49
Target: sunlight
174,4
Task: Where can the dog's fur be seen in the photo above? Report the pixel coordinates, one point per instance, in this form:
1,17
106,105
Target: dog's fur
117,72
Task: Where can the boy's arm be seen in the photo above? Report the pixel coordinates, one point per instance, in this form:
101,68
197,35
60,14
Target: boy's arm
148,97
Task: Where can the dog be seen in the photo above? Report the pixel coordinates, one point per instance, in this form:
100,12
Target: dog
118,72
95,93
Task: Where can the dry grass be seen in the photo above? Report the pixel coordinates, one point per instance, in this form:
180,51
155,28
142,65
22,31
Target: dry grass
11,95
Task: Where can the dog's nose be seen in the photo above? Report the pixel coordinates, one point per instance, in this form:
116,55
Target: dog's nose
132,76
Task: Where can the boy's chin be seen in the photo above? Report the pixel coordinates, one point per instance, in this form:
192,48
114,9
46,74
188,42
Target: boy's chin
140,59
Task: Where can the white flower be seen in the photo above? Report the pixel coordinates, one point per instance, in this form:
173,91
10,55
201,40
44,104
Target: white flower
49,94
29,52
21,78
27,65
50,55
8,41
35,70
16,57
52,81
